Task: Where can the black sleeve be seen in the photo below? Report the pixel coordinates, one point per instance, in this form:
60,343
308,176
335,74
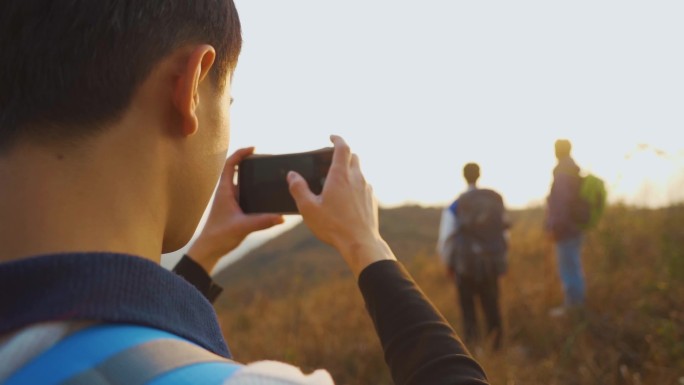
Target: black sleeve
192,272
420,347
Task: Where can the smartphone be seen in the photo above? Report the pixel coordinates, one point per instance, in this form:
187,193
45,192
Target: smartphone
262,179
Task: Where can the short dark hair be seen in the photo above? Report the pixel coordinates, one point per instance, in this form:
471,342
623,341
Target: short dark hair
68,67
563,148
471,172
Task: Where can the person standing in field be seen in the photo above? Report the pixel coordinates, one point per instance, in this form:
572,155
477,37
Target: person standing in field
472,244
564,228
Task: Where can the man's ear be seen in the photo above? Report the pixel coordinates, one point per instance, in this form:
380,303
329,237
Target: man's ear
186,89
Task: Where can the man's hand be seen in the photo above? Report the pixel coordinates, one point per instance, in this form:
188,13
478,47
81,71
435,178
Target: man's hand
227,225
345,215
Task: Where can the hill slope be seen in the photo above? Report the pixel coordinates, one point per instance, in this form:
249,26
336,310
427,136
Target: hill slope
296,260
292,300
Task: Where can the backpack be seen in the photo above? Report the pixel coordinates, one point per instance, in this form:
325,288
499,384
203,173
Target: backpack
479,246
592,201
125,354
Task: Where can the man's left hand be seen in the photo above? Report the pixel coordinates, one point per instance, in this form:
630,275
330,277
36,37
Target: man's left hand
227,225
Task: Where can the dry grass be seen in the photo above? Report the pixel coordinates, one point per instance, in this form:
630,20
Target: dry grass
631,333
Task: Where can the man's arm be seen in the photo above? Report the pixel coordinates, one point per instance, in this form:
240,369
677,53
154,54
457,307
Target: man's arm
195,274
345,216
420,346
226,227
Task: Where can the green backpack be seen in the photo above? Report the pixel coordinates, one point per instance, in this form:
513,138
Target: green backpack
593,196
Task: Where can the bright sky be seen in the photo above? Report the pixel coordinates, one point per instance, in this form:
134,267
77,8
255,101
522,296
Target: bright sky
420,88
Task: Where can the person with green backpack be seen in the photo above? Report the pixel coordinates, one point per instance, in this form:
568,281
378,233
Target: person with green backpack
575,204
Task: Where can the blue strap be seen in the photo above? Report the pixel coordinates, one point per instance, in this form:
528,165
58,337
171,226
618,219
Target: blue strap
454,207
213,373
84,350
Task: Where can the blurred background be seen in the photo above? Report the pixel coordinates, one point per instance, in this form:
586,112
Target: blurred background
419,89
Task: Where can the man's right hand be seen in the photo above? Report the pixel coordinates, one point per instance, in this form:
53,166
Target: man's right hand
345,215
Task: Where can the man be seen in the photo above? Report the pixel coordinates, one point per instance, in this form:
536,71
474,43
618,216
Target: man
114,129
473,246
563,223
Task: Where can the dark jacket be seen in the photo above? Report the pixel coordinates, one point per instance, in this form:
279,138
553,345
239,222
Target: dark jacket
480,244
563,200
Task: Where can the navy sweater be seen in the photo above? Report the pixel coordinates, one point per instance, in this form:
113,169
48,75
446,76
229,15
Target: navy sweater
112,288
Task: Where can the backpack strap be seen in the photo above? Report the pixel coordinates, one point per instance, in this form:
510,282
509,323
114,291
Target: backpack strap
125,354
454,208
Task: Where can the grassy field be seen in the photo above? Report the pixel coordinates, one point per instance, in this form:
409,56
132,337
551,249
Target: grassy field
308,312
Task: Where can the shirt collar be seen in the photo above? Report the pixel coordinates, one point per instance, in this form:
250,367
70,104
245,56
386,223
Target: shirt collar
105,287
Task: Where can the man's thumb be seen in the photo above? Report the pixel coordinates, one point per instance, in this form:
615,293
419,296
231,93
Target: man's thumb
299,188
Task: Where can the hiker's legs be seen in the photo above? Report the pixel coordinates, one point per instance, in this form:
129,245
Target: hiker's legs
570,270
489,298
466,295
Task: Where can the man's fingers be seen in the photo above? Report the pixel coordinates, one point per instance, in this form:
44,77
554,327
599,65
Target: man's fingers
234,160
262,222
355,168
230,166
355,165
355,162
240,154
342,155
299,189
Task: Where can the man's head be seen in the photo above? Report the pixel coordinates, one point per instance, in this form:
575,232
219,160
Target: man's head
138,89
69,68
471,173
563,148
